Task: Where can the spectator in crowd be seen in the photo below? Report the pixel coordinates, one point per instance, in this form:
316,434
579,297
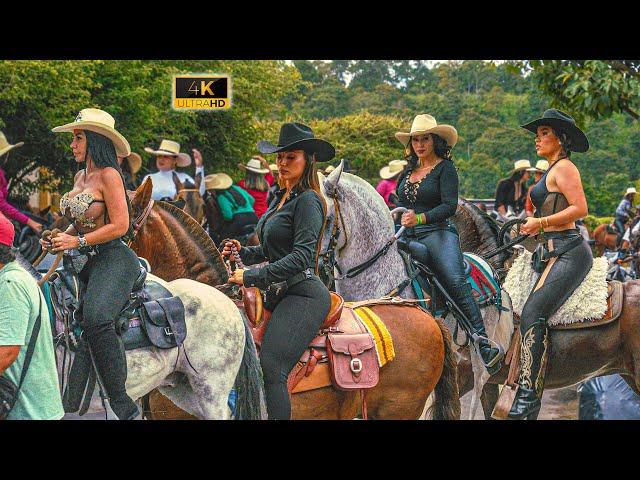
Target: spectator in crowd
541,167
236,205
387,186
130,166
21,305
257,181
512,191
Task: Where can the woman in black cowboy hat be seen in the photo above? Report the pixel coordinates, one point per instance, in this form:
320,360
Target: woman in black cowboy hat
559,201
290,233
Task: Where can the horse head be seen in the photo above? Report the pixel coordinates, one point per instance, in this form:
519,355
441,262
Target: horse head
190,194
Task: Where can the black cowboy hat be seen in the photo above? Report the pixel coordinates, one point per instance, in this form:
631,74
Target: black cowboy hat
296,136
561,122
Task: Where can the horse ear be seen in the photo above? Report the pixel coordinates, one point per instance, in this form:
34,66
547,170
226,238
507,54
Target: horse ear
332,180
142,195
177,182
198,180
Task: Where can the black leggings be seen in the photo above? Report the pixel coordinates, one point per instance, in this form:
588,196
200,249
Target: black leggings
294,323
563,277
619,222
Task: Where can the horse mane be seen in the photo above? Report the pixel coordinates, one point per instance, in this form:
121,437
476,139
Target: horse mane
199,236
488,230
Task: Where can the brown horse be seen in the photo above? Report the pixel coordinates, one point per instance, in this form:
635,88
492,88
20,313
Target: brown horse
604,239
190,194
574,355
177,247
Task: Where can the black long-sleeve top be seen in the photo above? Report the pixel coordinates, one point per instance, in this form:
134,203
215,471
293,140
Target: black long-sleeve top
437,195
506,195
289,239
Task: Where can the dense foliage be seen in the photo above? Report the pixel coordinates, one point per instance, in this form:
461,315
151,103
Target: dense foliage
357,105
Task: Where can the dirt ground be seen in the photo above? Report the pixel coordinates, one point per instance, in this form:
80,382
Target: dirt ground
560,404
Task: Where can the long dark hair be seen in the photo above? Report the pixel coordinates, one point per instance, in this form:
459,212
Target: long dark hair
440,148
103,154
565,141
7,254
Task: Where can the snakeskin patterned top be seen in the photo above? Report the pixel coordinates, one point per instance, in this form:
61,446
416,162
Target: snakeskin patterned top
76,209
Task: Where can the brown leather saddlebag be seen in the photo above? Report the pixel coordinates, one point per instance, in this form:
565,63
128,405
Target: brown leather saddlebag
354,363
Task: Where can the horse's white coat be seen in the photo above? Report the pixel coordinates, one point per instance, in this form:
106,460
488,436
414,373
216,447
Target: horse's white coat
214,344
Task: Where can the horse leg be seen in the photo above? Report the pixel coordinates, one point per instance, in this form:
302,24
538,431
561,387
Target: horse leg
489,398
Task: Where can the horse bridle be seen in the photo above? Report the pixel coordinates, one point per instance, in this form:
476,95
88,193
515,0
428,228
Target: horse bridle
140,220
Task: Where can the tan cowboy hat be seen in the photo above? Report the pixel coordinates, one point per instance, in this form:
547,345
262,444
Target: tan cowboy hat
135,162
254,165
273,167
631,190
171,149
98,121
427,124
520,165
329,169
217,181
541,167
5,146
391,170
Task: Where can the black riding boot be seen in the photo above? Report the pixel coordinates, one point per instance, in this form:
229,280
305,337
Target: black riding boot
78,377
533,364
111,364
491,356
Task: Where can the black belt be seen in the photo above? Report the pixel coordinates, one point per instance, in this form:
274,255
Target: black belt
563,248
277,288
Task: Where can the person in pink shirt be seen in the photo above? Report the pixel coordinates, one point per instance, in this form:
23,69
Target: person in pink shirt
6,208
389,182
257,181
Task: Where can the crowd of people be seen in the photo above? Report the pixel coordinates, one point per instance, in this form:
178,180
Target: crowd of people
290,216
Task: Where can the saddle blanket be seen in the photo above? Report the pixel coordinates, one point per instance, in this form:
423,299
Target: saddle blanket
380,334
588,301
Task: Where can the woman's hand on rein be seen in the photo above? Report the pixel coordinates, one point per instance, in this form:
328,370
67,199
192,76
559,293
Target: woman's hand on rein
226,251
237,277
531,227
64,241
409,219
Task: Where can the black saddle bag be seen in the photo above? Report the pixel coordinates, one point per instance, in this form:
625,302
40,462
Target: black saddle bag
163,322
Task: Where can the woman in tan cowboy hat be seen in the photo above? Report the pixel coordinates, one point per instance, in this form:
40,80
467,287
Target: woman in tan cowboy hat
6,208
387,186
100,215
541,167
511,191
257,181
290,234
235,204
130,166
428,188
168,157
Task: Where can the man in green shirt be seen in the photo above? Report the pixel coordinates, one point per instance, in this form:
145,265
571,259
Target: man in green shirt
20,304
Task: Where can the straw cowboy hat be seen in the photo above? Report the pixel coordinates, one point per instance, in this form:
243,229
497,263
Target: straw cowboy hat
5,146
217,181
427,124
98,121
561,122
254,165
273,167
631,190
329,169
171,149
520,165
135,162
296,136
541,167
392,169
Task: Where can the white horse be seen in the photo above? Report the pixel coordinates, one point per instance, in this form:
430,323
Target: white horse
221,356
367,227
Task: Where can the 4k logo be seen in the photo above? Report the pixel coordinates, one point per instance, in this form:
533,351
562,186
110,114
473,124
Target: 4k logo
201,92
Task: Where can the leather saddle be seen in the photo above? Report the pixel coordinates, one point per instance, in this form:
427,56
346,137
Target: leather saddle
152,316
342,354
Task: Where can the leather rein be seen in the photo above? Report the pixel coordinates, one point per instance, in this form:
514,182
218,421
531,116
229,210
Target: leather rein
140,220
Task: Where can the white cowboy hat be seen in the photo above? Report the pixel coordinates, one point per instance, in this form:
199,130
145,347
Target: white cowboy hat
427,124
391,170
254,165
98,121
5,146
171,149
541,167
631,190
520,165
217,181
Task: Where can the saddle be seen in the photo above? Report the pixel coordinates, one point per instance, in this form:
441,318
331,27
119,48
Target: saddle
343,354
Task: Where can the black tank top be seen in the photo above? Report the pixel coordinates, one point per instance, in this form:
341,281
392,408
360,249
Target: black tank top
546,202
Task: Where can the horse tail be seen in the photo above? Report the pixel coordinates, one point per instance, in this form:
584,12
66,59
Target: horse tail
249,386
446,401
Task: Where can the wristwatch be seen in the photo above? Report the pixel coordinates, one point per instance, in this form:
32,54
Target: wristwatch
82,242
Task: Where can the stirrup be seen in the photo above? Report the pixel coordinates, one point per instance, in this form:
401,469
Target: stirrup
498,357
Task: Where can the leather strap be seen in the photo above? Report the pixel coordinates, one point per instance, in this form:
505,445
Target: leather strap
514,368
32,343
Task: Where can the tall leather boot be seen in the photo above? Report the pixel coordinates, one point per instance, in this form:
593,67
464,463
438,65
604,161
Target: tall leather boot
111,364
534,350
491,356
78,378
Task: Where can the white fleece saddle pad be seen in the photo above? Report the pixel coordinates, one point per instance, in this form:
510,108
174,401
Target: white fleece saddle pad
588,301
